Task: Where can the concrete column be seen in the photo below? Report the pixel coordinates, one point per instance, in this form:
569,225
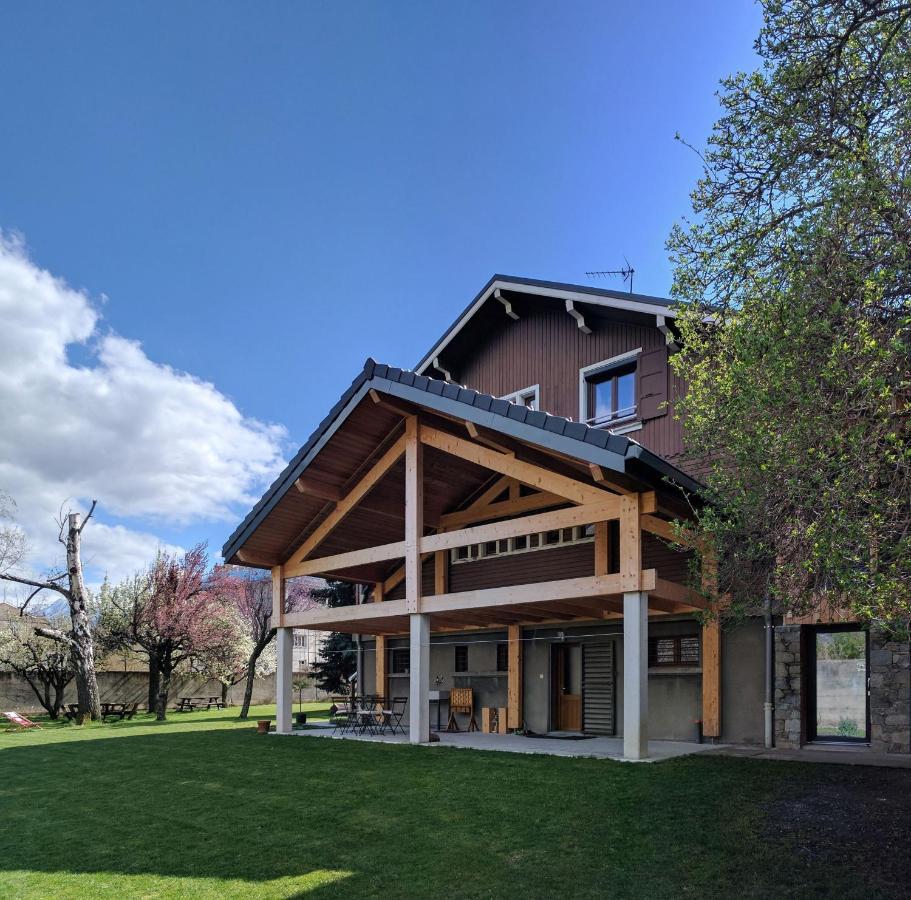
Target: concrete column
419,685
635,675
285,640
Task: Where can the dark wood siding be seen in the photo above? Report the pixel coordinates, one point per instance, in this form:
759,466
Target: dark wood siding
545,347
523,568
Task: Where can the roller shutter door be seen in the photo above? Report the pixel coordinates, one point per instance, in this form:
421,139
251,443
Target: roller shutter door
598,688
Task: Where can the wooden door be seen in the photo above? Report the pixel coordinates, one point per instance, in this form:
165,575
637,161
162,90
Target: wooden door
567,681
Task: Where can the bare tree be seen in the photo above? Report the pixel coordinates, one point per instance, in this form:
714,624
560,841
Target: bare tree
79,639
46,665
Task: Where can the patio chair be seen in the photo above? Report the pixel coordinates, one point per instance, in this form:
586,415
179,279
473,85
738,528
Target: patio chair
393,715
345,716
20,721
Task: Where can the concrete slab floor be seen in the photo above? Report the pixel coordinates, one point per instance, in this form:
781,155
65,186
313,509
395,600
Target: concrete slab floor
819,753
592,748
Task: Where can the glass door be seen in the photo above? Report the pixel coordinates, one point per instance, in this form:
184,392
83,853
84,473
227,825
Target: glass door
839,694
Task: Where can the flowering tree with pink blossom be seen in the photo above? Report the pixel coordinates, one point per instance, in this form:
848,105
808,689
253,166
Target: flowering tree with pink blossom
178,611
250,592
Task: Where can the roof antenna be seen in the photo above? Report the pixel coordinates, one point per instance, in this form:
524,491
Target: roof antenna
626,273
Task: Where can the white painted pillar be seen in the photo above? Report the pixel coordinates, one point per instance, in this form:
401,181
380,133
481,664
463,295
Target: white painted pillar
635,675
284,639
419,684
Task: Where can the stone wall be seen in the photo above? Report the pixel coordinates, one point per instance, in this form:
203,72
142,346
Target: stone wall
890,693
788,714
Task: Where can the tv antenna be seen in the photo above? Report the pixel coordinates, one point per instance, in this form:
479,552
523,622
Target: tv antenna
626,273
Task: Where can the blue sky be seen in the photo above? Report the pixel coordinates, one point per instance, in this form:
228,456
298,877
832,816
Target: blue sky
268,193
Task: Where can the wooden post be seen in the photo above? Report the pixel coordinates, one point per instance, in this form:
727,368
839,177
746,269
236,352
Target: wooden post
278,596
414,513
380,685
602,548
630,543
711,654
514,711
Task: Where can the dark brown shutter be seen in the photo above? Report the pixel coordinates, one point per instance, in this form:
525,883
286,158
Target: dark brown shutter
653,384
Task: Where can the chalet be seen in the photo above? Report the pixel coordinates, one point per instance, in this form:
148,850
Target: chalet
507,506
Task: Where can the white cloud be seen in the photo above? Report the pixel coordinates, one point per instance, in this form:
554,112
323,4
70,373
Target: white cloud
149,442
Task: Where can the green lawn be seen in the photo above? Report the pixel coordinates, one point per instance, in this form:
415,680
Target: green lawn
202,806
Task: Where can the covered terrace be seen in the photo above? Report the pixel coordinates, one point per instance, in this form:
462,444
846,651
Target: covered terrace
405,470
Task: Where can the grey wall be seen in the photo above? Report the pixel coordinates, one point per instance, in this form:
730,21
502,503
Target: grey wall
129,687
675,695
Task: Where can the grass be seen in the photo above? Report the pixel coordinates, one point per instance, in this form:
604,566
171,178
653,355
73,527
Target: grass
202,806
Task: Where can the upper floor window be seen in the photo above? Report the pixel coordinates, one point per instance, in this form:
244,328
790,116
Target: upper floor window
526,397
607,391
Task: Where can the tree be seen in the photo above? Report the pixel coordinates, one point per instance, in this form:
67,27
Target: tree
250,592
46,665
12,538
174,613
79,637
797,331
333,672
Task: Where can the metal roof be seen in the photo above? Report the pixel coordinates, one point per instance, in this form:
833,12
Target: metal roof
574,439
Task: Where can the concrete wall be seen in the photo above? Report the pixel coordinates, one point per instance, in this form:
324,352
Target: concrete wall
675,695
129,687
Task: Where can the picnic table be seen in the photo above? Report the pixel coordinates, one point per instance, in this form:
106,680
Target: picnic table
188,704
118,710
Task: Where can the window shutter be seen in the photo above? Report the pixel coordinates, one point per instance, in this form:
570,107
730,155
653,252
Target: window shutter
653,384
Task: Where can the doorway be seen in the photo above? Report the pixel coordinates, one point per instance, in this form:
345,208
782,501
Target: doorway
839,707
566,679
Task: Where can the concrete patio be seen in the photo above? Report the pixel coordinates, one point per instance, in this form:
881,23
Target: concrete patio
587,747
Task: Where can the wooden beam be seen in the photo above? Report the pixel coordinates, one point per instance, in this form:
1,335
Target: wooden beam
318,489
366,556
630,543
350,500
679,593
540,592
514,712
666,530
602,479
528,473
414,513
476,435
262,560
319,617
530,502
278,596
608,507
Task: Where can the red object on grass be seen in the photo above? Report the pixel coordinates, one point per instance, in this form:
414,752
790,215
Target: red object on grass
20,720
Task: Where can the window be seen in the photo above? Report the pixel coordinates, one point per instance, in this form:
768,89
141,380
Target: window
461,658
503,657
544,541
679,650
526,397
608,391
401,660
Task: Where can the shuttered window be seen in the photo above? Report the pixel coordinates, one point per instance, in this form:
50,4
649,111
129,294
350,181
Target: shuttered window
677,650
461,658
502,657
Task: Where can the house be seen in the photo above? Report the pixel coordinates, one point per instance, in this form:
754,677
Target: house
507,507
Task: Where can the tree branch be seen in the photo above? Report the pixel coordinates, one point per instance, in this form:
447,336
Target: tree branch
41,585
85,521
55,635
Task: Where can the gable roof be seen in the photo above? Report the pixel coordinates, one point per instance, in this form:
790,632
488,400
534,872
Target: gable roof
561,291
575,439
